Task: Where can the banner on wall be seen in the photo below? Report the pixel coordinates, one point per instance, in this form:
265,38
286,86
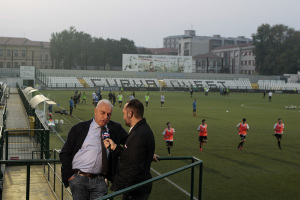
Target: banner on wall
27,71
156,63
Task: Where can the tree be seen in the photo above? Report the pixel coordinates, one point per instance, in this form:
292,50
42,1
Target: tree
78,50
277,49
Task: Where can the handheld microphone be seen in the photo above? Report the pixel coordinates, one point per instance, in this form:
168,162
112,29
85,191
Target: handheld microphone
105,135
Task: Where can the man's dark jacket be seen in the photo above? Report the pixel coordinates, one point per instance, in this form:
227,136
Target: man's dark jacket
75,139
135,159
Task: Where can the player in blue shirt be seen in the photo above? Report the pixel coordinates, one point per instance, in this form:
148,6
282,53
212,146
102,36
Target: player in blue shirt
194,108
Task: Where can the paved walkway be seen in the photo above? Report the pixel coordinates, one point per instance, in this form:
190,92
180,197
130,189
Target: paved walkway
14,183
16,117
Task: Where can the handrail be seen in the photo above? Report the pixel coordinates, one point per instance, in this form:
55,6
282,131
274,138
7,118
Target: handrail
28,163
199,162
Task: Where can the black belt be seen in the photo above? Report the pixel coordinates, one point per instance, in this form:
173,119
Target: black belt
76,171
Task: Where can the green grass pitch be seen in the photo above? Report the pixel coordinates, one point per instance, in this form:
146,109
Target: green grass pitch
259,171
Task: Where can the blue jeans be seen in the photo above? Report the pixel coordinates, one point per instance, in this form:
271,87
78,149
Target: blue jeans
85,188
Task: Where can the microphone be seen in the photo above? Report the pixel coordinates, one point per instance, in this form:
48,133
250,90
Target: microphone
105,135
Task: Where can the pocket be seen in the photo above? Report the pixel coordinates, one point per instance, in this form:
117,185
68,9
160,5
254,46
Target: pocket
74,180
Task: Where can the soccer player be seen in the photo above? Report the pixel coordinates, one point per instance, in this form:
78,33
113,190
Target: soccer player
131,97
270,96
206,91
168,137
278,128
120,99
194,108
147,97
162,100
202,133
243,128
71,103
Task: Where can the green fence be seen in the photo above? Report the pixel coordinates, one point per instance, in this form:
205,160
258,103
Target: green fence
28,163
37,135
191,166
52,174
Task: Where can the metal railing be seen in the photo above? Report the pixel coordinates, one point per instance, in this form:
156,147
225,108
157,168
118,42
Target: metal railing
192,165
60,192
41,138
28,163
54,180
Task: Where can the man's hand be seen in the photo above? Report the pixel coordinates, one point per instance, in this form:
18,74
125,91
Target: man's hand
109,143
154,159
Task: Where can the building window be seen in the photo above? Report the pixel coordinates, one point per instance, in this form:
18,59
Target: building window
16,64
186,53
241,62
23,53
186,45
8,52
1,64
8,65
249,62
199,63
1,52
23,64
15,53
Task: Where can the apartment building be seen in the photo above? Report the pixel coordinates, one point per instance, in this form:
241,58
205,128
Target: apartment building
190,45
239,59
16,52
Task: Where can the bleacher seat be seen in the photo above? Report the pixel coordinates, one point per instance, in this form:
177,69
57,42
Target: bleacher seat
277,85
231,84
121,82
56,81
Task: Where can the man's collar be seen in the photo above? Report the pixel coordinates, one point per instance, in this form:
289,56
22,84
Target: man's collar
95,125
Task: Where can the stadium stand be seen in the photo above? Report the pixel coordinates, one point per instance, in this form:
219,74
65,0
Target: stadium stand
113,80
277,85
53,81
60,82
186,83
121,82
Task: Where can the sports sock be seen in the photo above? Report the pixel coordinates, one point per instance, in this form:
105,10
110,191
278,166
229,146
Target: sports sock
168,150
240,145
279,145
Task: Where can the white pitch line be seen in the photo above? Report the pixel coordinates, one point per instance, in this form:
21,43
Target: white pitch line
172,183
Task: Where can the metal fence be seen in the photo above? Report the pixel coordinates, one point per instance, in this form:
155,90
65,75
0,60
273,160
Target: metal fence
191,166
51,169
19,143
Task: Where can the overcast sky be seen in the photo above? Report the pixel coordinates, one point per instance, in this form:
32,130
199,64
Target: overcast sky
146,22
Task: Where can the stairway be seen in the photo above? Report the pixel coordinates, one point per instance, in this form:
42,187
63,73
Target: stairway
83,82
